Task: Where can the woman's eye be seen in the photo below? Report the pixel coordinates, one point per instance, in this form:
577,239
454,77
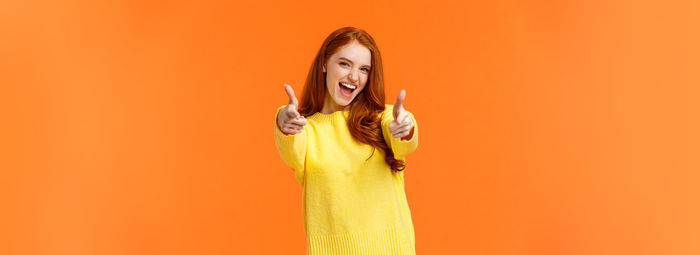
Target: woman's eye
365,69
343,63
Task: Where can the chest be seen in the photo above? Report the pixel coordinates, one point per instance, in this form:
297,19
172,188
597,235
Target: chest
332,150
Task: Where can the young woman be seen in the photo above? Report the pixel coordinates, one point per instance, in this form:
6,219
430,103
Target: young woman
347,149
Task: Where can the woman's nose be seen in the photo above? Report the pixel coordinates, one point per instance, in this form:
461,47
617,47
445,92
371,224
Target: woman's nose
352,76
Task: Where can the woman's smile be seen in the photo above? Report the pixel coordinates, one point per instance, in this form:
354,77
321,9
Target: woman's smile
346,89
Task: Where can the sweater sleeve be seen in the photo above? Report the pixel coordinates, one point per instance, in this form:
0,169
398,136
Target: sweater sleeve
292,149
400,147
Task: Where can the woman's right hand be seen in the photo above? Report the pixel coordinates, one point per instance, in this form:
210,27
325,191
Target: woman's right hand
289,121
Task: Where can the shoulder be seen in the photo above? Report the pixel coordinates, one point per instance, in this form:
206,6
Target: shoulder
388,108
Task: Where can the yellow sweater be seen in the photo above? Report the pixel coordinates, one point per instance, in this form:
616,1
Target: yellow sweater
350,205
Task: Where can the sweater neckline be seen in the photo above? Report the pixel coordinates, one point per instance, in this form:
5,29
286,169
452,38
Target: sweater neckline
337,115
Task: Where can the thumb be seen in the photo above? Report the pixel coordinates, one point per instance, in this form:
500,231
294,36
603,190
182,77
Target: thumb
398,106
290,93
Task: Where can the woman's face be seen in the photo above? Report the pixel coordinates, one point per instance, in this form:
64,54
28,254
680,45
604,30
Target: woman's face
346,71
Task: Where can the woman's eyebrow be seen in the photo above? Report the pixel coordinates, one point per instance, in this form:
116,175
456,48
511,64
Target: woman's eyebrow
343,58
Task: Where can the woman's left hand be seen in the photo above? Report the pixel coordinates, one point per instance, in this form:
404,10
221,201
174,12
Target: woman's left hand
402,126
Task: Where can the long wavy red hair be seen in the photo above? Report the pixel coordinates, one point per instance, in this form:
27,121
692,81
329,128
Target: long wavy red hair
364,121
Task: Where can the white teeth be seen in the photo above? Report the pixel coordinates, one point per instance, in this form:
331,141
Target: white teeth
349,86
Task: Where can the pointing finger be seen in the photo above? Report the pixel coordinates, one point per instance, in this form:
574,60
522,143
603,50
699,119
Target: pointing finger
399,102
290,93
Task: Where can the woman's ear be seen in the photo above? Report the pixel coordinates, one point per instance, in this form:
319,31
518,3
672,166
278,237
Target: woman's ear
324,68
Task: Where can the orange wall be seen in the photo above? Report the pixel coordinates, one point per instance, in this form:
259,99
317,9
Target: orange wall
547,127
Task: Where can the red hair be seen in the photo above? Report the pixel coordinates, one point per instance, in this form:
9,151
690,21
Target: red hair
364,121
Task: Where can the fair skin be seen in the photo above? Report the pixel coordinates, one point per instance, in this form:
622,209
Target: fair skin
348,67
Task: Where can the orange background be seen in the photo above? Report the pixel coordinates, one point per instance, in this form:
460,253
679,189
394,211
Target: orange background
547,127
